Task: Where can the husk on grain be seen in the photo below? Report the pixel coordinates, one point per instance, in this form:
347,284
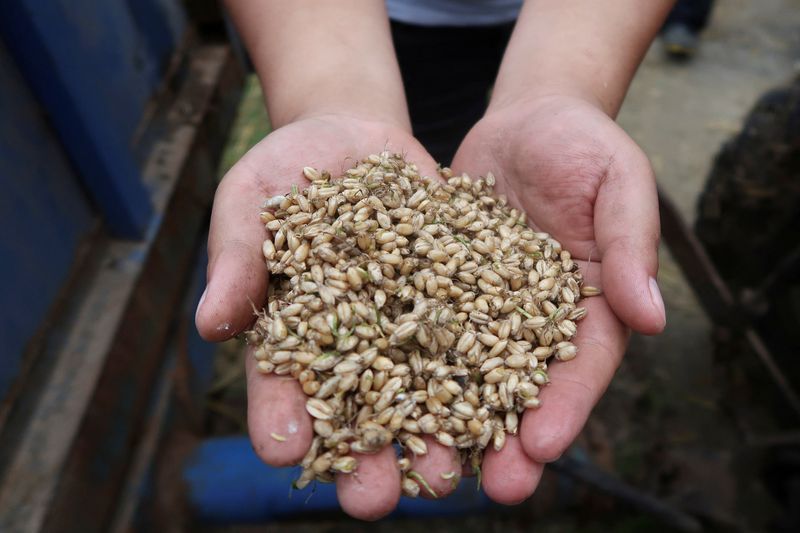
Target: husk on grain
408,306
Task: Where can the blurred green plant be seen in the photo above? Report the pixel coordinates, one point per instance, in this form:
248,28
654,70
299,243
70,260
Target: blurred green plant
251,125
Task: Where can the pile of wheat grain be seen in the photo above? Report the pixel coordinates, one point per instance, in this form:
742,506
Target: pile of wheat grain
407,306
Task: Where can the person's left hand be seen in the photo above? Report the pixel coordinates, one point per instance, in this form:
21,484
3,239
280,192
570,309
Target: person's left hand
579,177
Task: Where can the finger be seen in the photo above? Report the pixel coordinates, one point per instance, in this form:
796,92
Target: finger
373,490
509,476
237,275
575,386
440,469
280,428
626,228
427,166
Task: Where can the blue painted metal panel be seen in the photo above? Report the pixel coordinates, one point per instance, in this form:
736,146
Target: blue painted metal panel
43,214
160,23
94,66
229,484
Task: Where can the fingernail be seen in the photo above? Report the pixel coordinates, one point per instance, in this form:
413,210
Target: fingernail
658,301
200,303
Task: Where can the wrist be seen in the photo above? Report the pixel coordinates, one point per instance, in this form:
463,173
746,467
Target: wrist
359,120
526,98
373,114
323,58
586,50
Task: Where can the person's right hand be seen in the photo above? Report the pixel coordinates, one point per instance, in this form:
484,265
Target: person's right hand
237,279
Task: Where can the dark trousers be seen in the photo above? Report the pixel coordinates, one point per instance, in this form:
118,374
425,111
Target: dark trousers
692,13
447,73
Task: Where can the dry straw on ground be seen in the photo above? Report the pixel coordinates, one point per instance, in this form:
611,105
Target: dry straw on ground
409,306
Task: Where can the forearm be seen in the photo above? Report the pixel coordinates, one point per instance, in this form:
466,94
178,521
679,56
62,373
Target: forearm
584,48
323,57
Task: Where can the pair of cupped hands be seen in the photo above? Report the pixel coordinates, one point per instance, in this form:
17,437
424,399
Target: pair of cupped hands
576,174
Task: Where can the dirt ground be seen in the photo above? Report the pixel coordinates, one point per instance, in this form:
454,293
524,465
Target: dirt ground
660,427
681,113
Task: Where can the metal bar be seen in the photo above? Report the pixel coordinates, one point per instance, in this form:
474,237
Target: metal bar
145,453
188,369
765,356
790,262
714,295
609,484
30,481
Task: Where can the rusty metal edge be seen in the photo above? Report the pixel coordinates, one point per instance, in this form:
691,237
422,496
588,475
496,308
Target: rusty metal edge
145,453
47,477
202,115
698,269
34,359
29,482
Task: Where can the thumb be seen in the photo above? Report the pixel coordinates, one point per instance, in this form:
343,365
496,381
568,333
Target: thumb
627,233
237,274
